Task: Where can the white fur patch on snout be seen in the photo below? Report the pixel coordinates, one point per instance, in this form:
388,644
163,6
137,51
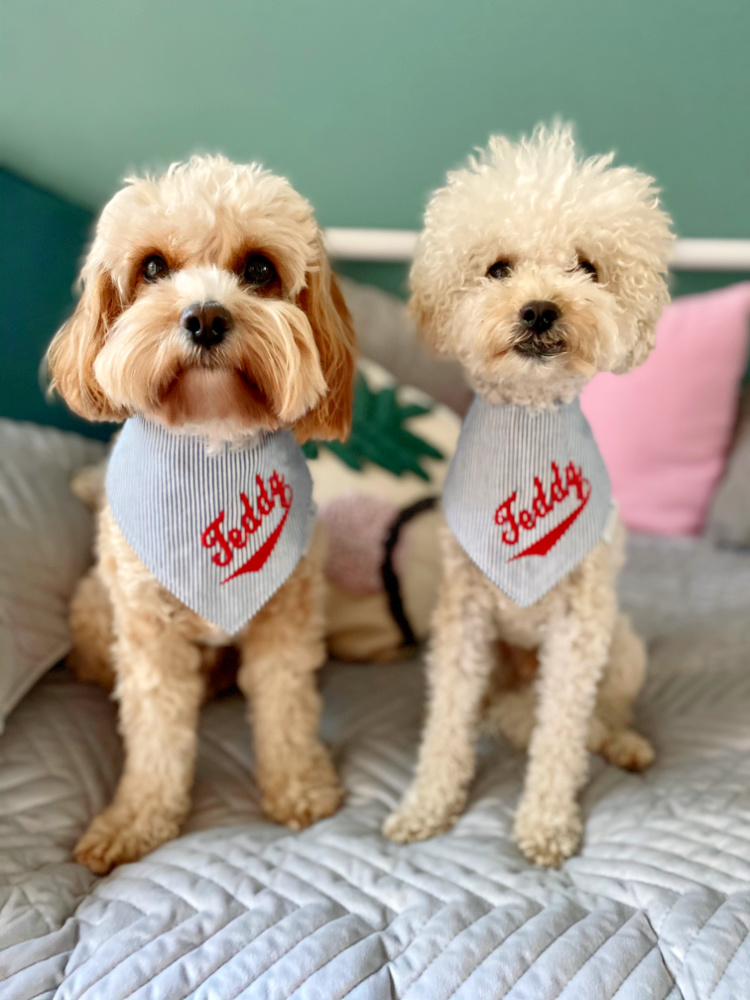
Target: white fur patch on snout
206,284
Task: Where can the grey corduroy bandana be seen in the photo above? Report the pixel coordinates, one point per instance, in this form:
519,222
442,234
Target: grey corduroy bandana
221,529
527,495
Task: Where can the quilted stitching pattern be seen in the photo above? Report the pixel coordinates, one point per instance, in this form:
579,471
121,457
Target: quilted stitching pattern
657,904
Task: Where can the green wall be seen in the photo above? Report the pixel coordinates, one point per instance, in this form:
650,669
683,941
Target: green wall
363,105
366,104
42,240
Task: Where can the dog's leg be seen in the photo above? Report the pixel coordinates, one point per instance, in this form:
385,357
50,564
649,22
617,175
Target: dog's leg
280,652
623,678
511,713
91,629
159,688
459,663
572,658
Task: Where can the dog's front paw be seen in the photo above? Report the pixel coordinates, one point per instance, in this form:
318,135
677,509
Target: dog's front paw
627,749
117,837
547,837
297,801
420,817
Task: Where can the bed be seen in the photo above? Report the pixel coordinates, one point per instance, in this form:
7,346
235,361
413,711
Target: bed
656,905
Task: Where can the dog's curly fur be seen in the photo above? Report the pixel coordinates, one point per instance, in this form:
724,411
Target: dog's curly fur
592,239
286,363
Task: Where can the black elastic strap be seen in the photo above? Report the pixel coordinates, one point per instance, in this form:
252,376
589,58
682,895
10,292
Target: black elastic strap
390,580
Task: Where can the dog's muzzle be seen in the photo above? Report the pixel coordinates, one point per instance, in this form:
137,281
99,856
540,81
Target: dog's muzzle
539,337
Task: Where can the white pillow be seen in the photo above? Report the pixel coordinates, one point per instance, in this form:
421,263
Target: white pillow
45,546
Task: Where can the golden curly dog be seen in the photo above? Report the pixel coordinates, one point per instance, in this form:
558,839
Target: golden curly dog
523,225
243,241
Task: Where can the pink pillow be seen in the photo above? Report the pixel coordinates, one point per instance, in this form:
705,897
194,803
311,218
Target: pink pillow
664,429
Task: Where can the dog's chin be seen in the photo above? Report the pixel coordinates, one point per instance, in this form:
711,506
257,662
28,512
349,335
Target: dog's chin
215,398
537,375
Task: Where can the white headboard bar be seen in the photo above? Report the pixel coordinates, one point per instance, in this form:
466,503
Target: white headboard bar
711,255
388,245
397,246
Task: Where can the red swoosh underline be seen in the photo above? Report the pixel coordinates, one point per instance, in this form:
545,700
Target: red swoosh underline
546,542
258,559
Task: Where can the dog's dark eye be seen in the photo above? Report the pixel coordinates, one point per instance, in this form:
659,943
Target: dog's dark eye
588,267
500,269
259,270
154,267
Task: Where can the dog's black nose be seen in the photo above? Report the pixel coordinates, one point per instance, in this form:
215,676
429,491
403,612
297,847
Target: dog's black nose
539,316
207,323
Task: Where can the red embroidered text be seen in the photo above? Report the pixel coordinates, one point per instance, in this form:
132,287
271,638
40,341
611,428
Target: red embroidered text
544,502
226,542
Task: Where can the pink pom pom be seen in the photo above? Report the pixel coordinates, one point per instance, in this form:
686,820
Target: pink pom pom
357,526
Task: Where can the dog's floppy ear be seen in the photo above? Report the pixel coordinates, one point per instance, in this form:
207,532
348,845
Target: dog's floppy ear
422,313
331,324
424,307
71,355
655,298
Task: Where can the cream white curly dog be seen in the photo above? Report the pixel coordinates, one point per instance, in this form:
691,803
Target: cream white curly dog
208,307
523,224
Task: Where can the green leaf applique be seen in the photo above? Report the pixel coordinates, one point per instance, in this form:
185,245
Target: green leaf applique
378,433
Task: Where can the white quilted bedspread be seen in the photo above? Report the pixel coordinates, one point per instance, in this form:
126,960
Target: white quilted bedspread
657,905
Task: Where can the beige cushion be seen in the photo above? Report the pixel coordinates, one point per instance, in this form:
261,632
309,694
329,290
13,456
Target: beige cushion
360,625
440,427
